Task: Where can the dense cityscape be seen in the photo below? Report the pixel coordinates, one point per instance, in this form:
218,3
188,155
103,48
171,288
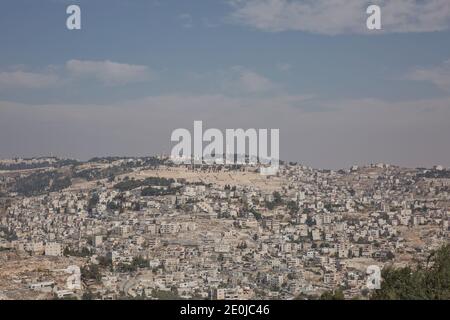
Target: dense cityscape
146,228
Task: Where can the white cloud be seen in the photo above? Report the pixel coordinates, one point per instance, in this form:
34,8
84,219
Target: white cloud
254,82
439,76
334,17
250,81
186,20
108,72
27,80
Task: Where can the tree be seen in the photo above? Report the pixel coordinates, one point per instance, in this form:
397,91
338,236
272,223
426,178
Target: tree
256,214
310,221
270,205
91,272
292,207
277,198
166,295
429,282
333,295
88,295
93,201
105,261
85,252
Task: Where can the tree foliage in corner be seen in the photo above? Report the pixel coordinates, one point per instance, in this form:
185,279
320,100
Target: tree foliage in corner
332,295
429,282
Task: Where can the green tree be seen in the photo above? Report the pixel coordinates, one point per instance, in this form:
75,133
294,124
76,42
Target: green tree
429,282
333,295
91,272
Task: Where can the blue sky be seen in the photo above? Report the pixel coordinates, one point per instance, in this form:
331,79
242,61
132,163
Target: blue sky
307,67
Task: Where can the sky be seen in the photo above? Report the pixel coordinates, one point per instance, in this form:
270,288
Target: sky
137,70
